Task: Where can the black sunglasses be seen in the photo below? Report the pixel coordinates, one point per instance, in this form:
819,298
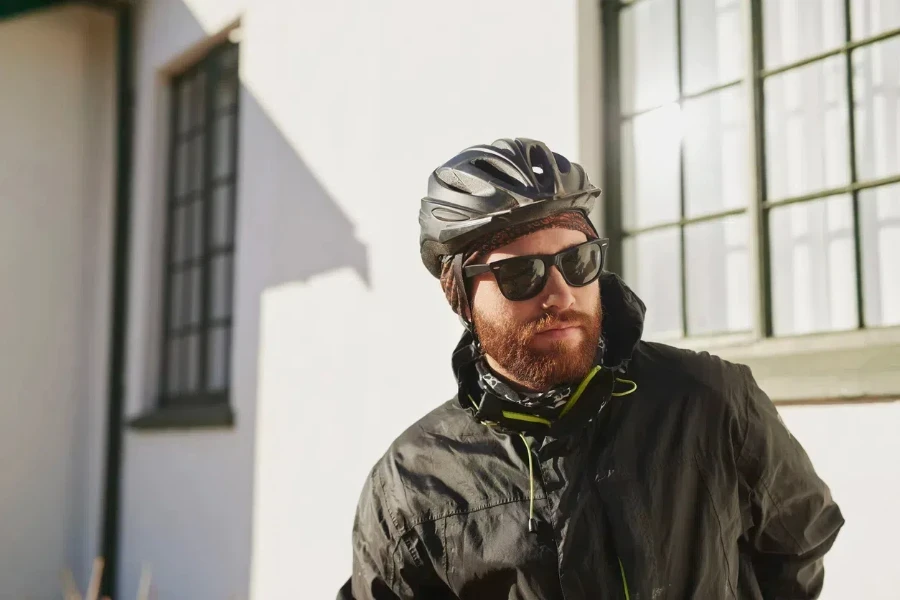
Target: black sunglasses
523,277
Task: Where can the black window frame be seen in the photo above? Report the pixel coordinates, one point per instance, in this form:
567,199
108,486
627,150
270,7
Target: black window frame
220,64
760,205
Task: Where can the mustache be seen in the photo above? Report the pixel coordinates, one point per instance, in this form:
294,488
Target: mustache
555,320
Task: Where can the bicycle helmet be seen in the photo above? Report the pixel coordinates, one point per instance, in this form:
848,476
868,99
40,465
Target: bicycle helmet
486,188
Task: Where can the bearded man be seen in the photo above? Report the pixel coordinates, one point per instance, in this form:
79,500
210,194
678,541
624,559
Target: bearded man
576,461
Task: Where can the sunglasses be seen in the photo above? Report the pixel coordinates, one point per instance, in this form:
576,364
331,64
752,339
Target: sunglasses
523,277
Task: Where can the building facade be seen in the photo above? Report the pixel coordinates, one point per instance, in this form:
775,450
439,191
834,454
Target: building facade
216,313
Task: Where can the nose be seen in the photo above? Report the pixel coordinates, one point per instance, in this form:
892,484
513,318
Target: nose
558,294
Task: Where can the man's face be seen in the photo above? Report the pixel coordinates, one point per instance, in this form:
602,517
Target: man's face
544,341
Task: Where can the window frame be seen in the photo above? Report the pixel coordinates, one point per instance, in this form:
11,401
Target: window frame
779,357
194,402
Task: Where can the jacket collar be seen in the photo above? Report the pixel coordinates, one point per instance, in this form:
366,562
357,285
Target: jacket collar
622,326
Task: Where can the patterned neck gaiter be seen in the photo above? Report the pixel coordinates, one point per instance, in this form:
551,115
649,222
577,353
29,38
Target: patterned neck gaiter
554,398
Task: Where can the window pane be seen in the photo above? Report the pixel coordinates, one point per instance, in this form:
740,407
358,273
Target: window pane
650,168
182,168
178,248
194,281
184,91
226,90
223,141
197,162
174,361
871,17
876,85
176,300
716,160
879,213
199,104
718,272
713,40
222,218
228,57
191,367
806,129
195,229
217,356
797,29
220,296
648,65
653,269
813,266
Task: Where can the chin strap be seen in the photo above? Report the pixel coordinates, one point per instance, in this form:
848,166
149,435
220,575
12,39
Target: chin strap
465,315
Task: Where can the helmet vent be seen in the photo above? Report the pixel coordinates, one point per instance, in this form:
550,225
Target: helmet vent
543,170
448,214
498,173
562,163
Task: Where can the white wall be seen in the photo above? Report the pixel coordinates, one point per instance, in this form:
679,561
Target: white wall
855,450
342,338
56,183
346,366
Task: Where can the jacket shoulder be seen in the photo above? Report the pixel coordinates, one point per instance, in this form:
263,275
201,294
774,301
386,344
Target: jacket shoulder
406,471
700,370
706,392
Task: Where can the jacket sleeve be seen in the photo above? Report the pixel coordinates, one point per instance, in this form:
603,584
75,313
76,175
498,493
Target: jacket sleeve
384,567
792,519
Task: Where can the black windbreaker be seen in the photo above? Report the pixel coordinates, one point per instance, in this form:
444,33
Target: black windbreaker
671,475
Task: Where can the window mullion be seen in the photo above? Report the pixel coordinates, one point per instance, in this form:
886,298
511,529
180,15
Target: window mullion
190,214
679,61
164,374
211,68
758,245
851,146
612,130
232,225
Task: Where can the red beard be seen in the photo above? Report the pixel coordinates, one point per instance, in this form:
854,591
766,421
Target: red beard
512,346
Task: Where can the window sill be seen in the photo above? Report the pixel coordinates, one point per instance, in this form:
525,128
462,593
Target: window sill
210,416
851,366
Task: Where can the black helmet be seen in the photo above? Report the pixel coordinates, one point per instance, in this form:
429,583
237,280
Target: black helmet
487,188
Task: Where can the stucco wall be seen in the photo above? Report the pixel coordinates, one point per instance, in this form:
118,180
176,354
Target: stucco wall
56,181
342,338
855,448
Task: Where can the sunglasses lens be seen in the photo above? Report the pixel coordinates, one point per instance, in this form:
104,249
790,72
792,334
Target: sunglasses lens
520,279
581,265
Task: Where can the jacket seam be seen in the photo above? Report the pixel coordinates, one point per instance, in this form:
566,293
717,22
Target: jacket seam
446,555
557,541
392,575
779,513
746,415
715,508
404,539
415,523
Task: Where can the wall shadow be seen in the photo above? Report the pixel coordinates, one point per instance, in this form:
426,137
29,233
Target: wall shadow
188,498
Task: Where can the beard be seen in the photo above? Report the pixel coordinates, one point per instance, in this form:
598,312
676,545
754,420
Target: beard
512,345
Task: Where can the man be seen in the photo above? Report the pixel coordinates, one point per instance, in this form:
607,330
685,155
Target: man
576,461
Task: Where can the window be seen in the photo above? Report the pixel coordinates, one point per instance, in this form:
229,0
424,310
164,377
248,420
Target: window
199,264
753,168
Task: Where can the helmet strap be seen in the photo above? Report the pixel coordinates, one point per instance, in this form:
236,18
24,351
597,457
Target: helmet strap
465,315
